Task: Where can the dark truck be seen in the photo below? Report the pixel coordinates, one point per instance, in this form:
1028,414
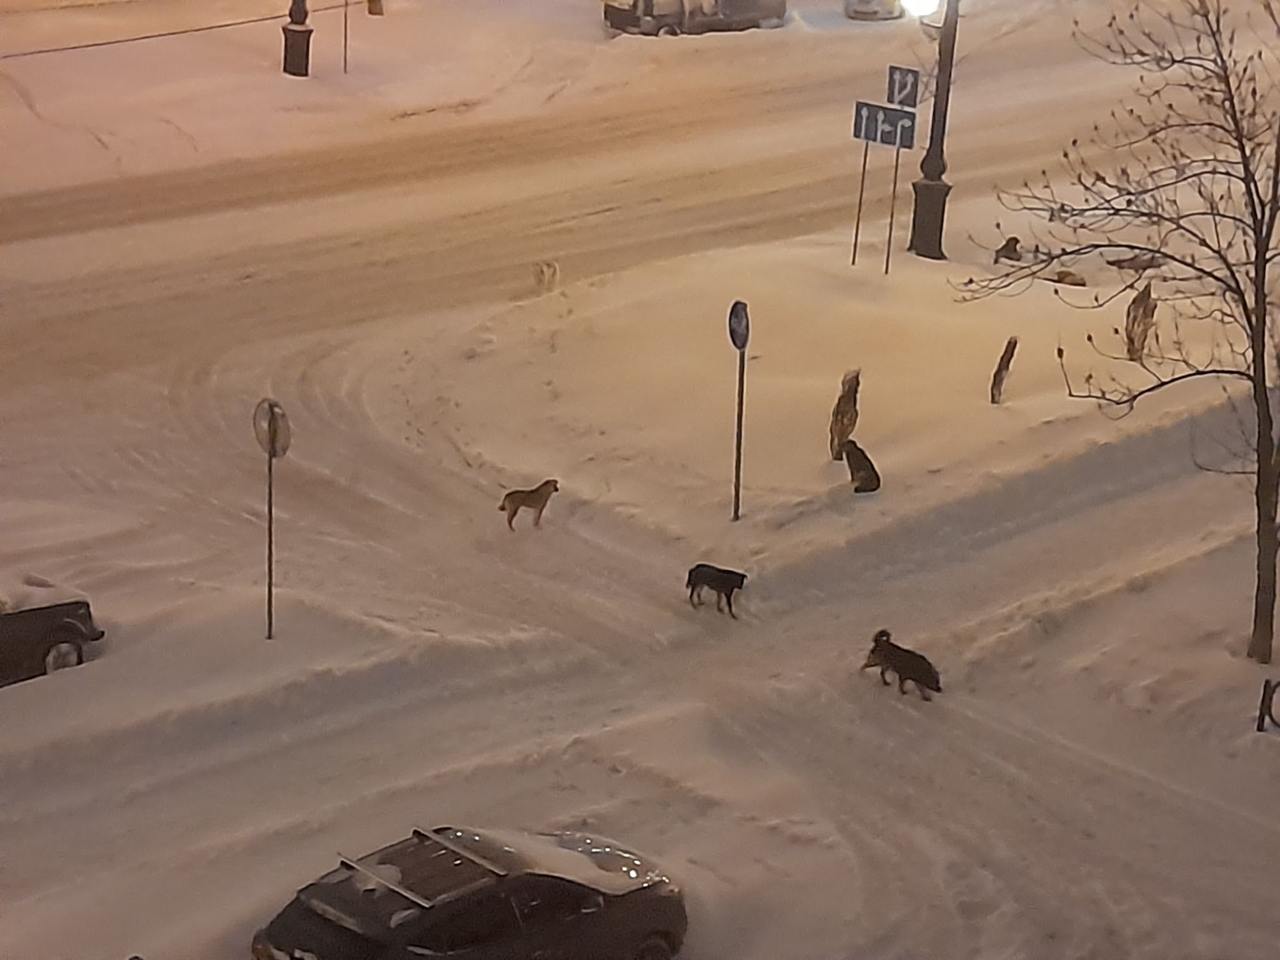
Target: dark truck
40,640
669,18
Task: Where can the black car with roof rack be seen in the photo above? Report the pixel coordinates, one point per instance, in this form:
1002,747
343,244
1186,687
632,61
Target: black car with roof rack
484,895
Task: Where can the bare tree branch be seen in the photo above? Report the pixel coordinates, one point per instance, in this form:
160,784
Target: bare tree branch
1184,184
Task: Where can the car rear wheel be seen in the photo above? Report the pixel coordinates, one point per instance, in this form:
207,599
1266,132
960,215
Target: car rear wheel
655,948
668,30
63,654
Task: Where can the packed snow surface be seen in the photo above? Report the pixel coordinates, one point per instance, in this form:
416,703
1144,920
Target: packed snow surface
184,230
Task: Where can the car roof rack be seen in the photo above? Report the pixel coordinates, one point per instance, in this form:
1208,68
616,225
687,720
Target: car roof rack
459,849
389,884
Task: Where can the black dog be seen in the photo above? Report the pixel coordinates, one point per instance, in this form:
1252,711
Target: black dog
862,472
907,664
722,581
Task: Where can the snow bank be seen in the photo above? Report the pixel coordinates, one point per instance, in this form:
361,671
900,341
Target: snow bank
624,388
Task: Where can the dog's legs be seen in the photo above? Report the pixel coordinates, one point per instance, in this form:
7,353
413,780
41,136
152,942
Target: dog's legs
691,603
883,678
719,602
924,694
537,517
902,685
511,517
728,597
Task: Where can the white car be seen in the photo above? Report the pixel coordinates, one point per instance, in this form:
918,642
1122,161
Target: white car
873,9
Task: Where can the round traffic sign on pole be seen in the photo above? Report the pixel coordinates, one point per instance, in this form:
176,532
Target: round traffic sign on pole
739,325
271,427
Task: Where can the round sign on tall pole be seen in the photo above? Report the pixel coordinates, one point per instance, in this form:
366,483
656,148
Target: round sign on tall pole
739,334
271,427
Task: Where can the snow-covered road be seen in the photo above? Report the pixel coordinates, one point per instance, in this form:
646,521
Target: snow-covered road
1088,787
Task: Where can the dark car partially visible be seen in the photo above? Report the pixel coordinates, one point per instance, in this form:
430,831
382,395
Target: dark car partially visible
483,895
40,640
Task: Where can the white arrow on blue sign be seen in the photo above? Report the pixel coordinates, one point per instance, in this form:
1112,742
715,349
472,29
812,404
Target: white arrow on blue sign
877,123
904,87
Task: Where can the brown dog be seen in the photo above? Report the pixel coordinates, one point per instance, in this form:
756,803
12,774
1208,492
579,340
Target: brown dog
535,499
907,664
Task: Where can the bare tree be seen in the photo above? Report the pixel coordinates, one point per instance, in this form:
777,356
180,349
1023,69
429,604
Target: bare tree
1183,189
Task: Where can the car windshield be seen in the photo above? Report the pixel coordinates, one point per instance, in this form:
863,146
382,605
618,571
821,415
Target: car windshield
596,862
607,856
489,846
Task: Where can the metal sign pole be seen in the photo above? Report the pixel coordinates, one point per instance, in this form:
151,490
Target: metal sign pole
893,203
271,527
346,16
862,189
891,126
271,428
737,452
739,334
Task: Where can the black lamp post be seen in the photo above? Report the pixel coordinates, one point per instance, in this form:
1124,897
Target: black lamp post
931,189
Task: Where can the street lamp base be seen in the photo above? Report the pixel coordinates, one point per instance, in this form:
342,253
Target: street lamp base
297,49
928,217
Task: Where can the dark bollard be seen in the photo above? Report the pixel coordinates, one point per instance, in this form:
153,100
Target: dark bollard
297,50
1267,707
297,41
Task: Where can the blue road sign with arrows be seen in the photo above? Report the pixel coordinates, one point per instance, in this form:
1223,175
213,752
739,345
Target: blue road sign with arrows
890,126
904,87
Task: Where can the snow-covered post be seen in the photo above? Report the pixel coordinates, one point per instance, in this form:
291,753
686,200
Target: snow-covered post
739,333
1002,370
297,40
271,427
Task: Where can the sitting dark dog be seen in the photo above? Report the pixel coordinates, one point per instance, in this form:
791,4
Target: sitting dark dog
907,664
722,581
862,472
